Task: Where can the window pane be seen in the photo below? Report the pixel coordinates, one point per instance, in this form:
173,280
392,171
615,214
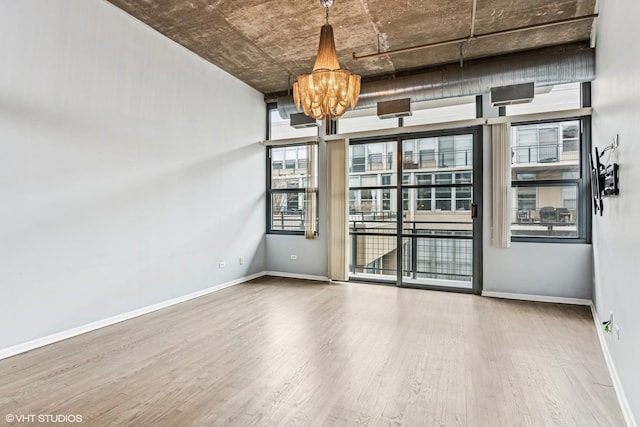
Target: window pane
357,159
374,157
423,179
364,201
443,178
446,152
289,171
423,199
288,211
427,152
443,198
289,167
546,151
405,199
435,112
281,128
386,200
463,153
350,122
464,177
554,98
463,198
369,180
545,211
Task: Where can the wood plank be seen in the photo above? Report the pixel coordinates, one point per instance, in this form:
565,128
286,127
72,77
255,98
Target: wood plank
282,352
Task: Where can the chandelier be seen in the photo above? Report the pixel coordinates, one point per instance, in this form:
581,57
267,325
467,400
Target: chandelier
328,90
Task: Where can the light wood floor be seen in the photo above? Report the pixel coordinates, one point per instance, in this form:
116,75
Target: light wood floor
280,352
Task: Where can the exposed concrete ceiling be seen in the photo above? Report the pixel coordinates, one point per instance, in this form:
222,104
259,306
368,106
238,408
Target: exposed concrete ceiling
265,42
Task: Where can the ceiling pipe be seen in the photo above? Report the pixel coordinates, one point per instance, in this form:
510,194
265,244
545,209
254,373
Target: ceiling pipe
543,67
473,19
473,37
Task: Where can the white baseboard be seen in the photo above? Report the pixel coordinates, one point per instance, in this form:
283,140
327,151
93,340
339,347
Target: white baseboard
63,335
296,276
537,298
617,385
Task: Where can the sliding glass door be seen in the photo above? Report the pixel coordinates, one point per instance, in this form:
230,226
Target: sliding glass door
435,240
373,181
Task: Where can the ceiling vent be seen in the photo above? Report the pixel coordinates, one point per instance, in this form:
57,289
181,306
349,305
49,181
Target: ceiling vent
301,120
394,108
512,94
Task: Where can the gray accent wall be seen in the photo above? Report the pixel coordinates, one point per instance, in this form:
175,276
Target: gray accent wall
129,168
616,234
312,254
541,269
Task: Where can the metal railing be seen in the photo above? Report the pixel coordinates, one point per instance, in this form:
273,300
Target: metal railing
437,253
288,220
542,153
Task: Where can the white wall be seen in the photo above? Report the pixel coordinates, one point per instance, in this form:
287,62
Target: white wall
128,168
616,102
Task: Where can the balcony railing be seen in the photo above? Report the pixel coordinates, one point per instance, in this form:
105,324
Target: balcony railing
291,220
435,250
543,153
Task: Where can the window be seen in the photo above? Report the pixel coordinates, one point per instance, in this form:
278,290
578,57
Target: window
463,194
406,178
446,151
443,194
427,152
358,159
423,195
288,179
464,108
280,128
551,98
386,193
549,181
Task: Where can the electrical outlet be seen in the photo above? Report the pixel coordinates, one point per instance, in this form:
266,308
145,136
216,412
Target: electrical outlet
241,260
294,257
222,264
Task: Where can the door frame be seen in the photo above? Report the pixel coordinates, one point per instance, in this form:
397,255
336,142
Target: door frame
477,200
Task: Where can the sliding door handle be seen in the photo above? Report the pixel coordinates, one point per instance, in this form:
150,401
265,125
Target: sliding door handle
474,210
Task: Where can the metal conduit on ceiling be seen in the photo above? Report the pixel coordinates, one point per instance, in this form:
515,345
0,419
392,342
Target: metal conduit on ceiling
544,68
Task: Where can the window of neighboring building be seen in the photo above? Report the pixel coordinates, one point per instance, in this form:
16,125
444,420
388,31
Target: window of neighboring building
288,179
549,181
423,195
406,179
386,193
443,194
463,194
